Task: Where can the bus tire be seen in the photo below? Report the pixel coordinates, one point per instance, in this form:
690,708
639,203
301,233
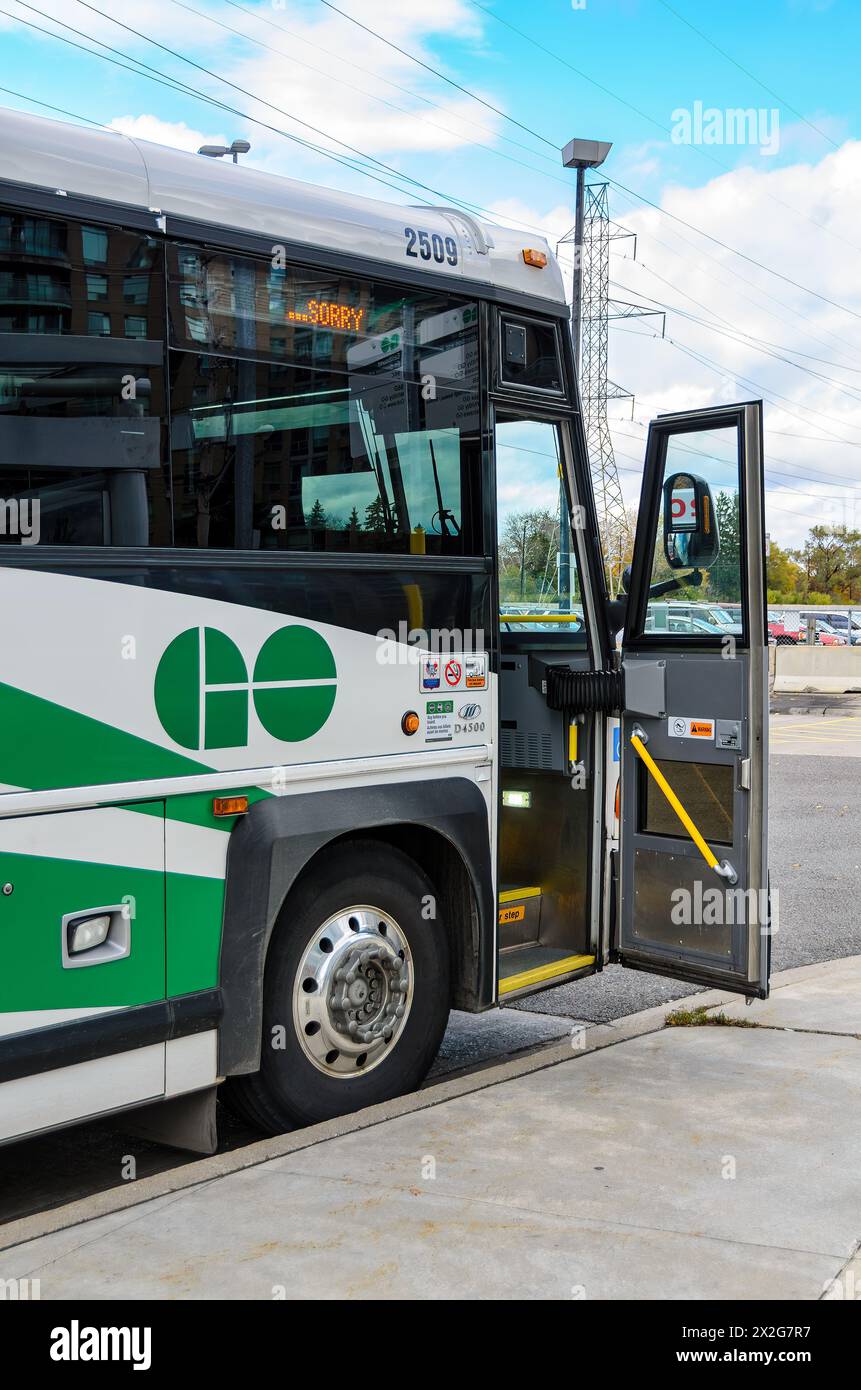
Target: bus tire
356,992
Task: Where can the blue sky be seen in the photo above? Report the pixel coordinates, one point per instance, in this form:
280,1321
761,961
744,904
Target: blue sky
795,209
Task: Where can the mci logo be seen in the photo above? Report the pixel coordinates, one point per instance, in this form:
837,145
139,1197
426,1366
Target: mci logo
202,687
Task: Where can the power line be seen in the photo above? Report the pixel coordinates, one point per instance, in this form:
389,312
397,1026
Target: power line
615,183
745,339
436,72
317,130
705,154
372,96
60,110
748,382
757,290
640,197
378,77
175,84
722,51
773,472
781,347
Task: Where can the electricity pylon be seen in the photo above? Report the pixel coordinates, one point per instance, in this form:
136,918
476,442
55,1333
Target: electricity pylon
591,337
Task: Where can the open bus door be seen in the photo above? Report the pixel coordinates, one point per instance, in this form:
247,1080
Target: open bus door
692,873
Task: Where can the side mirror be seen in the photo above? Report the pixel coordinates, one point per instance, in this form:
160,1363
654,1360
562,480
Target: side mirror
691,538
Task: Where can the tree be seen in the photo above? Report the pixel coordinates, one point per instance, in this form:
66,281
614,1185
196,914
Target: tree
725,573
316,517
831,562
527,555
375,517
784,579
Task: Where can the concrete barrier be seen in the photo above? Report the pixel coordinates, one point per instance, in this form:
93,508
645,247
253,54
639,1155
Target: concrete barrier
823,670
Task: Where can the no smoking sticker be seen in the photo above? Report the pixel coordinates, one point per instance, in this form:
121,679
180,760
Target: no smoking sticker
680,727
453,673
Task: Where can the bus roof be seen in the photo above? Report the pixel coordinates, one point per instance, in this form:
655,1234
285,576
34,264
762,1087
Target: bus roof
117,168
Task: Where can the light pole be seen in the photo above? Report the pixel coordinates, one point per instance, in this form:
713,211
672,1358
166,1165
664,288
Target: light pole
581,155
218,151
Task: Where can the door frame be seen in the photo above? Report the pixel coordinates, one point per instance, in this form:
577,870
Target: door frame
585,550
747,418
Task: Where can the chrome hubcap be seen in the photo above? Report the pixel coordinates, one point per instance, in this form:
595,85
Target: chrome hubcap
353,991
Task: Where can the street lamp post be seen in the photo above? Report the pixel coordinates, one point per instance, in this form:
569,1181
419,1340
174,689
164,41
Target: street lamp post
581,155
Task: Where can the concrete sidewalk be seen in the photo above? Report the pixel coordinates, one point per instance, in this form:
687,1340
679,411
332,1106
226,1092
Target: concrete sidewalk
634,1161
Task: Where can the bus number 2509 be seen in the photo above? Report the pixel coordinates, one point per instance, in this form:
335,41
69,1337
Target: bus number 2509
431,246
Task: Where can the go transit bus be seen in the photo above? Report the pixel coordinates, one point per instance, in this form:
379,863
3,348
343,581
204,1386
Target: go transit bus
313,724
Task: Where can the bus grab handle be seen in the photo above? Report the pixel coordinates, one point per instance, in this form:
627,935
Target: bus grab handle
722,868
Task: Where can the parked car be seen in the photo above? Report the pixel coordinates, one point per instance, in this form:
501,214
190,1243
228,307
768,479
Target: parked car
779,632
826,635
714,614
840,622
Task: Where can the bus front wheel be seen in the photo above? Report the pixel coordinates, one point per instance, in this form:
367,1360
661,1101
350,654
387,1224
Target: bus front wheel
356,993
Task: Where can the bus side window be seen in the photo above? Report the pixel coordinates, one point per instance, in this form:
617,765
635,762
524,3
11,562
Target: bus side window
81,385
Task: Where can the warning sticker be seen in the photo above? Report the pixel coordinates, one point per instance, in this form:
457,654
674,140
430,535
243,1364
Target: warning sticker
439,721
511,914
679,727
476,672
453,672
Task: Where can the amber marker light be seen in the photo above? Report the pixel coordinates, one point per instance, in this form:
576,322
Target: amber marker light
410,722
229,805
533,257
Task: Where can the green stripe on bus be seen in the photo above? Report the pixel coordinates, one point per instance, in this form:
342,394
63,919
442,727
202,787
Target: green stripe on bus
45,890
195,907
45,745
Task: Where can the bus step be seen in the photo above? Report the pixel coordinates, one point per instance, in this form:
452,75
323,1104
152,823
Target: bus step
519,916
527,966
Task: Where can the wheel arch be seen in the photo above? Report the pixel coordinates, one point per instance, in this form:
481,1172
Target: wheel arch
442,824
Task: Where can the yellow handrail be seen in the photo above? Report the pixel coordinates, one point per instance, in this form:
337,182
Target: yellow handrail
707,854
540,618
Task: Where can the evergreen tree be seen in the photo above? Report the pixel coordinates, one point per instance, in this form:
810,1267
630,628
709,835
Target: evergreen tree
316,517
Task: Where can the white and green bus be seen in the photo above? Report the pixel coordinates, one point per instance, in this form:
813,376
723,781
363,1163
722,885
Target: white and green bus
313,724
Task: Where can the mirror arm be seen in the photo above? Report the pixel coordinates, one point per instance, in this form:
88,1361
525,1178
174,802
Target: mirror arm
617,610
682,581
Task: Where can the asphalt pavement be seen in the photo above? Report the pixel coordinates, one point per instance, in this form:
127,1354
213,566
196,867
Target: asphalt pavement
815,863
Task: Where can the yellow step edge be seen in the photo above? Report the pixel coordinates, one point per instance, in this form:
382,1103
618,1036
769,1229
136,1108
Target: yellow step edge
513,895
544,972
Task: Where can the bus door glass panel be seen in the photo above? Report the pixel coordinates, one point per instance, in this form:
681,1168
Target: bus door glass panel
544,755
693,896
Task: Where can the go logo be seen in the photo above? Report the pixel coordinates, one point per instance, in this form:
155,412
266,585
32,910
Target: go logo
201,687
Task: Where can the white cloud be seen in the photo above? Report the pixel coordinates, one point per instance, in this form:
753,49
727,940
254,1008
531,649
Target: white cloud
312,63
174,133
748,209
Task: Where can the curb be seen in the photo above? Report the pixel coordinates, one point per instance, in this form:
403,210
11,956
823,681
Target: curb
795,703
595,1038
